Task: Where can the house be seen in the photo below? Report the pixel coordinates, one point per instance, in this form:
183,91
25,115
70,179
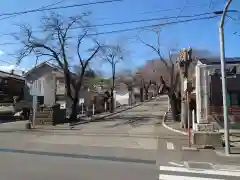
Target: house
11,92
208,91
11,85
47,82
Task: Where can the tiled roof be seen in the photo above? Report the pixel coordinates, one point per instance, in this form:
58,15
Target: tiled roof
6,74
42,64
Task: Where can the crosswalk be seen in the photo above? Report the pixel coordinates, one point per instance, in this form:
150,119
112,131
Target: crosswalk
184,173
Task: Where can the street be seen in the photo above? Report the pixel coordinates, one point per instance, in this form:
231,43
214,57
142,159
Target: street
130,145
22,166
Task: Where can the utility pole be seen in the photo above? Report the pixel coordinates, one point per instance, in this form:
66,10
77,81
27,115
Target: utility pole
223,74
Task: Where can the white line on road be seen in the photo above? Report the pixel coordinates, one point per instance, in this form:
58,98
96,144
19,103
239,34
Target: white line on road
170,145
176,177
176,164
200,171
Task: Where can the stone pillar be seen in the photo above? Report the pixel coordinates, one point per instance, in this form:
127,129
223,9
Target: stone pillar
206,92
198,93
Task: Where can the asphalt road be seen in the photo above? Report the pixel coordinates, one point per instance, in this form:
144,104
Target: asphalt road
123,146
129,145
38,167
175,163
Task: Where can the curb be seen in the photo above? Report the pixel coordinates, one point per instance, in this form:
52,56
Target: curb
170,128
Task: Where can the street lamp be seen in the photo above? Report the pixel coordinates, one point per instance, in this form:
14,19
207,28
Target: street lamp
222,58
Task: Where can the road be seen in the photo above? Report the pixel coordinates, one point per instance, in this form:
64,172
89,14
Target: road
38,167
129,145
123,146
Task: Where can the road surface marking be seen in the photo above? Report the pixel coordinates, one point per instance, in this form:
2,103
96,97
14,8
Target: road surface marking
176,164
170,145
176,177
200,171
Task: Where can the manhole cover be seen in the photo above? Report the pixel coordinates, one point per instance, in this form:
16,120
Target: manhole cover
199,165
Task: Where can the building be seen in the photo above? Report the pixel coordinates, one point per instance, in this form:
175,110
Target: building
11,85
208,90
11,92
48,82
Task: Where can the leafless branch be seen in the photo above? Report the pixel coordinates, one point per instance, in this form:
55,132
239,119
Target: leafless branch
55,46
80,38
157,48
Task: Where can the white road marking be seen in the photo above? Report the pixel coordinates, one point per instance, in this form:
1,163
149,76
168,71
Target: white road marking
170,145
176,164
200,171
176,177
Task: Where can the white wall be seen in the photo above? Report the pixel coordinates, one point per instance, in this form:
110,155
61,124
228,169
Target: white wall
122,99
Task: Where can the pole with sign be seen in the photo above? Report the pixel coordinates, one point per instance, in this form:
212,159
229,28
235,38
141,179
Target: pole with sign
35,92
93,109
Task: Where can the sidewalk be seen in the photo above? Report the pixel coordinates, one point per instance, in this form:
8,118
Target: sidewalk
21,125
216,155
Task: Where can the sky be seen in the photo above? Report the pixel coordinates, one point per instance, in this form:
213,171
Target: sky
197,34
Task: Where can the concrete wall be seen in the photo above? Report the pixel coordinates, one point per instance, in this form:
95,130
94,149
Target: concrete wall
122,99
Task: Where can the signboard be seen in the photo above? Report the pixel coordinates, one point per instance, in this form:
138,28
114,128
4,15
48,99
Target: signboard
81,101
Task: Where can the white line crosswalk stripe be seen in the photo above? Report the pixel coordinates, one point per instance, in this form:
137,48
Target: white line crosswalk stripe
174,177
183,173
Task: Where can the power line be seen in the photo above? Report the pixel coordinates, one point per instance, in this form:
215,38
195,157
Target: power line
177,8
140,27
59,7
156,25
47,6
127,22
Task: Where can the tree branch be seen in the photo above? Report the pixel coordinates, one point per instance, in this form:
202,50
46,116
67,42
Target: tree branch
80,38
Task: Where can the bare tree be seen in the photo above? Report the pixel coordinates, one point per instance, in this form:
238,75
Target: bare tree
60,45
145,83
150,74
170,84
113,54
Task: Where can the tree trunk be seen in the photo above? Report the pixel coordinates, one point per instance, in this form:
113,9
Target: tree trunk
73,116
129,97
112,102
141,94
184,114
146,94
174,106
